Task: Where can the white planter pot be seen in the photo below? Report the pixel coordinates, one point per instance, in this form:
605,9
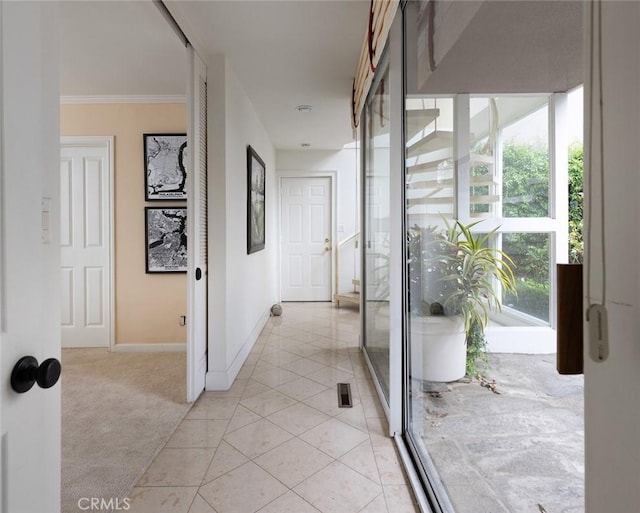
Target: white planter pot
440,344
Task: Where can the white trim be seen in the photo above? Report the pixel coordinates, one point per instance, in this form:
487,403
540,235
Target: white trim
85,345
178,347
376,383
333,180
462,162
218,381
194,176
89,99
3,279
558,193
396,224
88,140
222,380
510,316
106,141
414,480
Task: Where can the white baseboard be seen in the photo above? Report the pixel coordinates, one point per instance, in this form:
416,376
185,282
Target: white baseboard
222,380
149,348
72,345
217,381
86,99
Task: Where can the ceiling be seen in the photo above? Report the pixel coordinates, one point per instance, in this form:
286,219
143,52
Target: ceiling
525,46
285,53
304,52
113,48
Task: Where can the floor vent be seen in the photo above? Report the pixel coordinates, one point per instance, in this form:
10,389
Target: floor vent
344,395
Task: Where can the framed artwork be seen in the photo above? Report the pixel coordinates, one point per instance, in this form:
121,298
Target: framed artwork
165,172
255,201
166,239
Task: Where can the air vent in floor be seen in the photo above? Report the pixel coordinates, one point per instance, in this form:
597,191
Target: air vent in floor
344,395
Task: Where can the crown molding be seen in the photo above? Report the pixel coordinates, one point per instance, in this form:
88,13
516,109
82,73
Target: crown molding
79,100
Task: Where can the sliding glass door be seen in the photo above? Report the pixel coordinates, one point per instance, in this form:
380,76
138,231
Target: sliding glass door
376,236
488,171
484,162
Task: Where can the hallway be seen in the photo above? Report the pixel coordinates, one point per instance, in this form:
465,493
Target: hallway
277,442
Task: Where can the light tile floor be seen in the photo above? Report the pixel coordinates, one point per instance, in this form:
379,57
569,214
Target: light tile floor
276,442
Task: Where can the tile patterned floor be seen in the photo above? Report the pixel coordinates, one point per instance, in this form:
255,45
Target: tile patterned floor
276,442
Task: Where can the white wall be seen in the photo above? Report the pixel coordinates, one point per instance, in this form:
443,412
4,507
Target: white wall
242,287
147,306
345,163
612,387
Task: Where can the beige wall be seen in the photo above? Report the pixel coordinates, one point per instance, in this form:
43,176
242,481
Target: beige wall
148,306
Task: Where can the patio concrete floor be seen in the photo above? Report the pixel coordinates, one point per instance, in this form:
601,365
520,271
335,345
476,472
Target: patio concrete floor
520,450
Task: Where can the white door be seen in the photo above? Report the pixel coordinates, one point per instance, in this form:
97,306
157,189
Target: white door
306,238
85,241
29,254
197,228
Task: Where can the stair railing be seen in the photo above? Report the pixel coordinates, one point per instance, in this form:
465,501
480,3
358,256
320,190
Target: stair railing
356,237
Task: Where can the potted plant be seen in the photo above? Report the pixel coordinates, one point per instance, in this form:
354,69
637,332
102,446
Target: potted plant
456,280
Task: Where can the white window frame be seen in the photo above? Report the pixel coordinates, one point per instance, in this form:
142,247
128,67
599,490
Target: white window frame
512,330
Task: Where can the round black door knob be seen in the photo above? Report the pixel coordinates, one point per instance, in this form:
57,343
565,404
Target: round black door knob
27,372
48,373
198,273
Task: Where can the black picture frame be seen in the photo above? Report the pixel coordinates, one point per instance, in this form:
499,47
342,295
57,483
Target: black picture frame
165,240
256,174
165,172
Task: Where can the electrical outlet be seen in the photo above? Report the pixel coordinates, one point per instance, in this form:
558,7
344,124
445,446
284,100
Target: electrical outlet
183,320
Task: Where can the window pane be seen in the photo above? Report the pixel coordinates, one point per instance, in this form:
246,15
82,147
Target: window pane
530,253
509,156
525,163
430,200
484,189
430,182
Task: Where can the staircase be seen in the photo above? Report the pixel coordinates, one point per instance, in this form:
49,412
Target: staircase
349,297
431,181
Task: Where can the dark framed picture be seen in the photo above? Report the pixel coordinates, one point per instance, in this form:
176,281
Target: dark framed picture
166,239
165,171
255,201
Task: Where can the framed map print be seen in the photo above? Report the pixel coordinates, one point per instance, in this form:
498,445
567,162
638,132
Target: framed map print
166,239
165,162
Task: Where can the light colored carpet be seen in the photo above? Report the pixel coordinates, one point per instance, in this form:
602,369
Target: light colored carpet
118,411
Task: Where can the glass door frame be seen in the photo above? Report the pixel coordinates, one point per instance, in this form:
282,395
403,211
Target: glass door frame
394,56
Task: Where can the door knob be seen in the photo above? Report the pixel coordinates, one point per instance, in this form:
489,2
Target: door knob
27,372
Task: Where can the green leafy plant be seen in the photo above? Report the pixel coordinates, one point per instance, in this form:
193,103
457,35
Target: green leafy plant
457,272
576,193
476,350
